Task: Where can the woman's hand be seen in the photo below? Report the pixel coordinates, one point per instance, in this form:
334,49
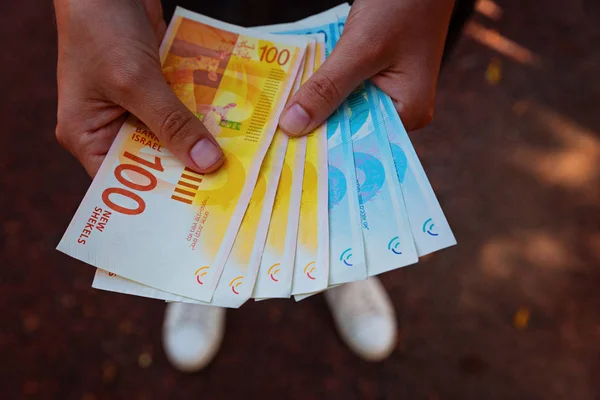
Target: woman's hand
398,44
108,64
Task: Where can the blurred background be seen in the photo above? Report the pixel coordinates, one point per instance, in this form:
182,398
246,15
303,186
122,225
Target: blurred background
513,311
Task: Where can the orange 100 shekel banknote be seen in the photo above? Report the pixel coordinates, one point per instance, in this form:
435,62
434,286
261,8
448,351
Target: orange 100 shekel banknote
148,218
239,273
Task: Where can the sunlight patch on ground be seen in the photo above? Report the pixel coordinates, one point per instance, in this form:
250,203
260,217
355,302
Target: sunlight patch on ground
489,8
547,251
498,257
574,164
503,257
497,42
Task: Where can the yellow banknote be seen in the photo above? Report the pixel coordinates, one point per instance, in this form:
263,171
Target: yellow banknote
239,274
311,269
149,219
277,265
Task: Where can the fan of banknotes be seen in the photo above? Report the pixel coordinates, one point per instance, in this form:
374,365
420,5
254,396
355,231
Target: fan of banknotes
284,216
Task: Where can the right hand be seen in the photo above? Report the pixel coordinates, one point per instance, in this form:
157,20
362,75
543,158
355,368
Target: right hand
108,65
398,44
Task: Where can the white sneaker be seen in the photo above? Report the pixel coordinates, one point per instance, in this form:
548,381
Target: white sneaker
365,318
192,334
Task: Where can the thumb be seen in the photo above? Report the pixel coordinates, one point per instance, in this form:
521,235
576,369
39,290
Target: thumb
322,94
153,101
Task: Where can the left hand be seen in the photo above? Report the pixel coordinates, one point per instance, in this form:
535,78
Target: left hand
398,44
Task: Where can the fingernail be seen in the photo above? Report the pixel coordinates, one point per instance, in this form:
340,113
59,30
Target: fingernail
205,154
295,120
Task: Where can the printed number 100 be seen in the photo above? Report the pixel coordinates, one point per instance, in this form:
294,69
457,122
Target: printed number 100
270,54
121,192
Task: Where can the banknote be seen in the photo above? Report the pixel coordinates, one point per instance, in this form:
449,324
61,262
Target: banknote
377,190
239,274
276,269
320,20
387,235
346,250
148,218
347,256
386,227
430,229
381,149
311,268
327,16
111,282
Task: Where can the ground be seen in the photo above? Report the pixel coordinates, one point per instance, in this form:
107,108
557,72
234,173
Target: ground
513,311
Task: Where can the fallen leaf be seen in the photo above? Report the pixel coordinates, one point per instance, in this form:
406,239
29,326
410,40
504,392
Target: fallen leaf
521,318
493,74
